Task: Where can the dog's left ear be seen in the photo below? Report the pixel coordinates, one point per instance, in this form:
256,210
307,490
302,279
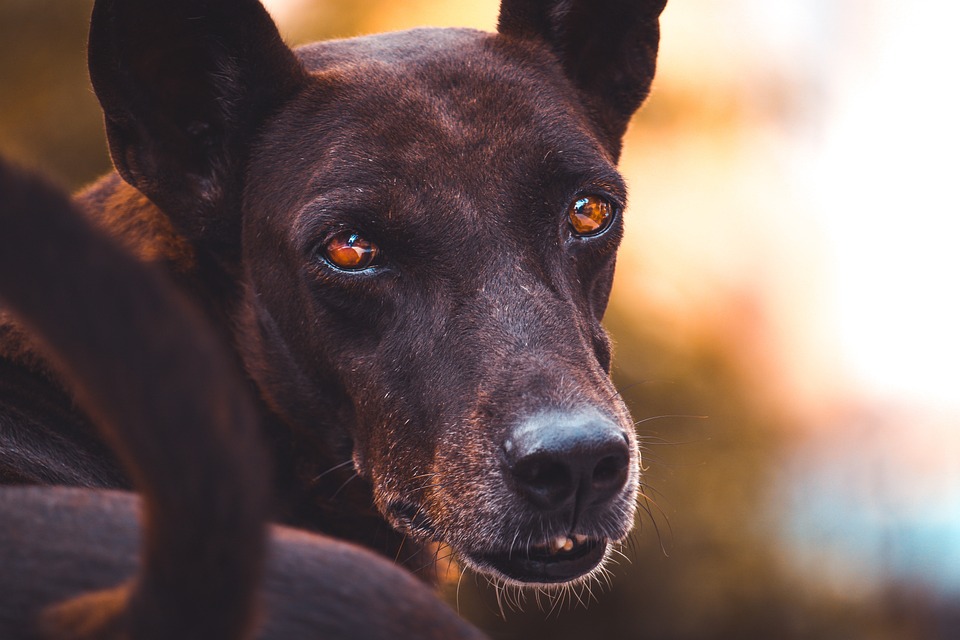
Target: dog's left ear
608,49
184,86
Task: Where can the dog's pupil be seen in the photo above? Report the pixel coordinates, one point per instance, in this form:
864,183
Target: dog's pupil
590,215
348,250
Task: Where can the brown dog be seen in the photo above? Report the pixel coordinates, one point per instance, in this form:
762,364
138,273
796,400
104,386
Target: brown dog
407,239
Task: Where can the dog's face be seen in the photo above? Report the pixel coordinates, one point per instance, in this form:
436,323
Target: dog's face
426,226
433,261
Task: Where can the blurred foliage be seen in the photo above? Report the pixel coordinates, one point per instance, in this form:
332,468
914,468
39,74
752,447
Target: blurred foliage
704,563
49,116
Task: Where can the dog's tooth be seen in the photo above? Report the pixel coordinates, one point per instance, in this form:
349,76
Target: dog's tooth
579,539
563,543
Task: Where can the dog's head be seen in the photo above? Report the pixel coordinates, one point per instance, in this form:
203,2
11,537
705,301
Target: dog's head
425,225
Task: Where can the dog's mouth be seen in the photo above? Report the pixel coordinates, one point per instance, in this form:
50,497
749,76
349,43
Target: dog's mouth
560,560
555,561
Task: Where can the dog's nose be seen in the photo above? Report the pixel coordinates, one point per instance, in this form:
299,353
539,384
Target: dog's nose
559,461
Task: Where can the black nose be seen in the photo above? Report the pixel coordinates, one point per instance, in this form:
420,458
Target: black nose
560,460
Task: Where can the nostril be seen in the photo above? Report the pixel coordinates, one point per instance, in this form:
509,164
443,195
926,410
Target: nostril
547,482
544,473
610,470
609,476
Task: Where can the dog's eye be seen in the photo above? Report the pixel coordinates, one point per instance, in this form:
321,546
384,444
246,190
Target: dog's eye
350,252
590,215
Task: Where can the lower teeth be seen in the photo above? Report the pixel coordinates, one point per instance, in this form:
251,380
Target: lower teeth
562,544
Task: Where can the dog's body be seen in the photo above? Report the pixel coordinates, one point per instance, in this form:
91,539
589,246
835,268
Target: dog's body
409,242
73,562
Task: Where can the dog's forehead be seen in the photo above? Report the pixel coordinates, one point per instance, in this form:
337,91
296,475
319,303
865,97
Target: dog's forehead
459,94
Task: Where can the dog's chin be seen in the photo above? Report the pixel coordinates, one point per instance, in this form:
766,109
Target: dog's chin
557,562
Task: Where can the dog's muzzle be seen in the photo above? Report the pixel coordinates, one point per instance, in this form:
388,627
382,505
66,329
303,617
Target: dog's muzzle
570,471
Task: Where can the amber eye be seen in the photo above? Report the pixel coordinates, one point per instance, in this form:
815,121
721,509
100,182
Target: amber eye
590,215
350,252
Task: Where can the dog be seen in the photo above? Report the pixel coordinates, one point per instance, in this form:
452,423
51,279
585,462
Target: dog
407,240
146,366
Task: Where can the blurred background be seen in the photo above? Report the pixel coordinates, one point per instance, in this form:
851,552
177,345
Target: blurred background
786,307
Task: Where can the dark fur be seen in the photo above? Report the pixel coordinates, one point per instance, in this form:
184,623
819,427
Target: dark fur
458,152
68,555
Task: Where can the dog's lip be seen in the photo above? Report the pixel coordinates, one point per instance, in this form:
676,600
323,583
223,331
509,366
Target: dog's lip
557,561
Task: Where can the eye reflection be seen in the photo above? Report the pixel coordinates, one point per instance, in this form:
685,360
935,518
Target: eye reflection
351,252
590,215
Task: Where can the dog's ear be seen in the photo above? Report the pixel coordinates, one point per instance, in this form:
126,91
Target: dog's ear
608,48
184,85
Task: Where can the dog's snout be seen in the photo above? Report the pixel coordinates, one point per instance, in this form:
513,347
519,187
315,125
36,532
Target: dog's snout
560,461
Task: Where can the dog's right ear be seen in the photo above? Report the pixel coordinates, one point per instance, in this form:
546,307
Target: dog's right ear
608,49
184,85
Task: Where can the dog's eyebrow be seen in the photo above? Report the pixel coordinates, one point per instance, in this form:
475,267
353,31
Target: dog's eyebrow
374,211
584,174
335,209
575,156
610,184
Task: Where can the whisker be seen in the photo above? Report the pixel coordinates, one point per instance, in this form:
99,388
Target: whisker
429,485
331,470
576,595
513,544
451,556
459,582
414,554
352,477
496,588
621,554
396,559
607,576
647,487
536,598
647,502
678,416
556,603
431,563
